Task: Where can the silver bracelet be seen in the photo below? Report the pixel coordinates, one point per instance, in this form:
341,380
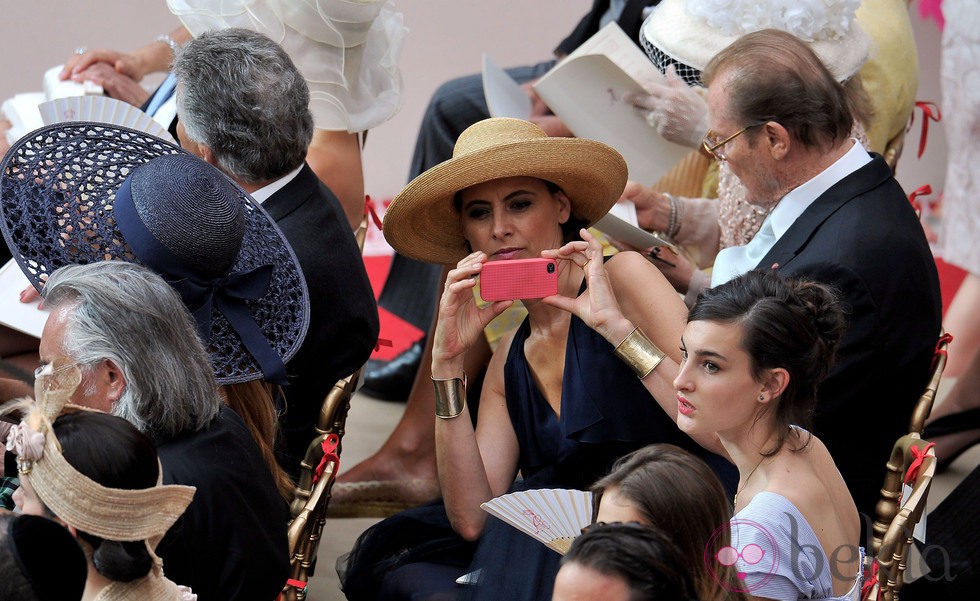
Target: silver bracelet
676,214
169,41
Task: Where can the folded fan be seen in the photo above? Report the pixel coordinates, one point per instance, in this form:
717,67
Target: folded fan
554,516
101,109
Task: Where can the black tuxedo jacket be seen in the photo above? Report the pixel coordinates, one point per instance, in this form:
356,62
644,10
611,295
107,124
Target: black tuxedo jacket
630,21
863,237
343,313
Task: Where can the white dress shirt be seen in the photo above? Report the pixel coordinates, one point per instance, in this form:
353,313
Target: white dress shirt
736,260
263,193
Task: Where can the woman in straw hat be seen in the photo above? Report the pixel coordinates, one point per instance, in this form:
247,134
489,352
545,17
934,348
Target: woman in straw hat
100,476
557,406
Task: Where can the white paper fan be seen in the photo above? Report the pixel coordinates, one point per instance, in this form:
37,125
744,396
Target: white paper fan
101,109
554,516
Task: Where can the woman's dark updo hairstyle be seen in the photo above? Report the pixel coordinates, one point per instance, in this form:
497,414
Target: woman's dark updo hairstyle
112,452
793,324
569,229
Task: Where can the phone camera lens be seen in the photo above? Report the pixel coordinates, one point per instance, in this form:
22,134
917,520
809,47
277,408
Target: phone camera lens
551,268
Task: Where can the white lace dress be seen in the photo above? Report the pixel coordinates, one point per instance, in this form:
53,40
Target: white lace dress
960,235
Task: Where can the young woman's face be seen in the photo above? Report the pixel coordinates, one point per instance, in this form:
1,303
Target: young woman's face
716,390
26,500
615,507
513,218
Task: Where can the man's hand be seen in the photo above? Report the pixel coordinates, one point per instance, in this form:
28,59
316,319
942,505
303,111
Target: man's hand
116,85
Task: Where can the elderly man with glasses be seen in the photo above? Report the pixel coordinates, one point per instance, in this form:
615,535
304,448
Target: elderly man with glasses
836,215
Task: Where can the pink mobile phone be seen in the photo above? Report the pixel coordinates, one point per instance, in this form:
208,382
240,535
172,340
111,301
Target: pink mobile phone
519,278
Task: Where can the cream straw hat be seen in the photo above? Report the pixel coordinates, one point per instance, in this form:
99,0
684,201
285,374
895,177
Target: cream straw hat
422,222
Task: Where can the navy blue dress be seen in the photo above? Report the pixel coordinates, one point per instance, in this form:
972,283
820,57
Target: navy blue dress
605,413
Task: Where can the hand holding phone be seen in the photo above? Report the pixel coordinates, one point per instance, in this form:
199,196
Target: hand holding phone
518,279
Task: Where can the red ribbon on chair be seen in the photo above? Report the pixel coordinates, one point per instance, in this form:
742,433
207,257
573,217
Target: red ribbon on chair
914,197
920,456
370,210
941,344
930,112
329,446
382,342
870,580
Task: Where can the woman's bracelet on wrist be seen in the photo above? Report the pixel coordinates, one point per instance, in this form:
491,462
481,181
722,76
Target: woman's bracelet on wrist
639,353
169,41
676,215
450,396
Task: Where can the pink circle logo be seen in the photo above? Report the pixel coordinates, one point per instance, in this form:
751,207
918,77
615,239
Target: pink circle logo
754,562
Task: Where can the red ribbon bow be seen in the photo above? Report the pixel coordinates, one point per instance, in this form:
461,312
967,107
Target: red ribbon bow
930,112
869,580
920,456
941,345
329,446
370,210
914,197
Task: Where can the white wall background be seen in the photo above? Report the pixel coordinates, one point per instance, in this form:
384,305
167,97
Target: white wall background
446,39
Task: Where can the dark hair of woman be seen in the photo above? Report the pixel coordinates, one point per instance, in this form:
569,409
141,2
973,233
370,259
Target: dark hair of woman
796,325
651,565
113,453
679,495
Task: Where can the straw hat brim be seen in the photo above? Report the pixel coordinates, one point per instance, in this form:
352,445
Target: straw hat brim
421,223
67,174
691,41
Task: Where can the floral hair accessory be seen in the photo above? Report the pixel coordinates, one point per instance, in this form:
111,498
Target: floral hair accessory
27,444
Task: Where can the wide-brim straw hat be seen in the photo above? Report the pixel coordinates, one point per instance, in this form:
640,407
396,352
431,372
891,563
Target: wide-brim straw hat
62,191
691,32
422,223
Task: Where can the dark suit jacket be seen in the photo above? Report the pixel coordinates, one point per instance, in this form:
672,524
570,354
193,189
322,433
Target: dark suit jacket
630,21
230,544
343,313
863,237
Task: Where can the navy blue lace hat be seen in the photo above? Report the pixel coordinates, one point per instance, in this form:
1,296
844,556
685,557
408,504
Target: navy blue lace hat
84,192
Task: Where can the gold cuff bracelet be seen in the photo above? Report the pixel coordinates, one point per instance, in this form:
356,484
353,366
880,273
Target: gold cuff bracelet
639,353
450,396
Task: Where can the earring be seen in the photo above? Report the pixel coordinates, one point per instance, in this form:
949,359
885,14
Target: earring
762,397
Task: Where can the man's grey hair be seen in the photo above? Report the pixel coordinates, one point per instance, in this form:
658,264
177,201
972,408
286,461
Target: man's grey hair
131,316
240,95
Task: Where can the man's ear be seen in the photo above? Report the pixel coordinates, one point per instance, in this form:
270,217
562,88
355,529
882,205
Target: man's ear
777,139
115,381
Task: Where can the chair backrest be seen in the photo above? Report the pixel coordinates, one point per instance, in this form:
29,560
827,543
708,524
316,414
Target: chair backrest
317,473
912,465
924,406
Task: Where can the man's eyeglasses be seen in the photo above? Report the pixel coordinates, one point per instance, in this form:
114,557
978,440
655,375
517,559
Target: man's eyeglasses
710,146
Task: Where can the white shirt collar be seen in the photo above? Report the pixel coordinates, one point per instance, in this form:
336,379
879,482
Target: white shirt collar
791,206
263,193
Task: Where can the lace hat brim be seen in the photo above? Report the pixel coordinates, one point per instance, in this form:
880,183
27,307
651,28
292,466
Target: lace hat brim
57,190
